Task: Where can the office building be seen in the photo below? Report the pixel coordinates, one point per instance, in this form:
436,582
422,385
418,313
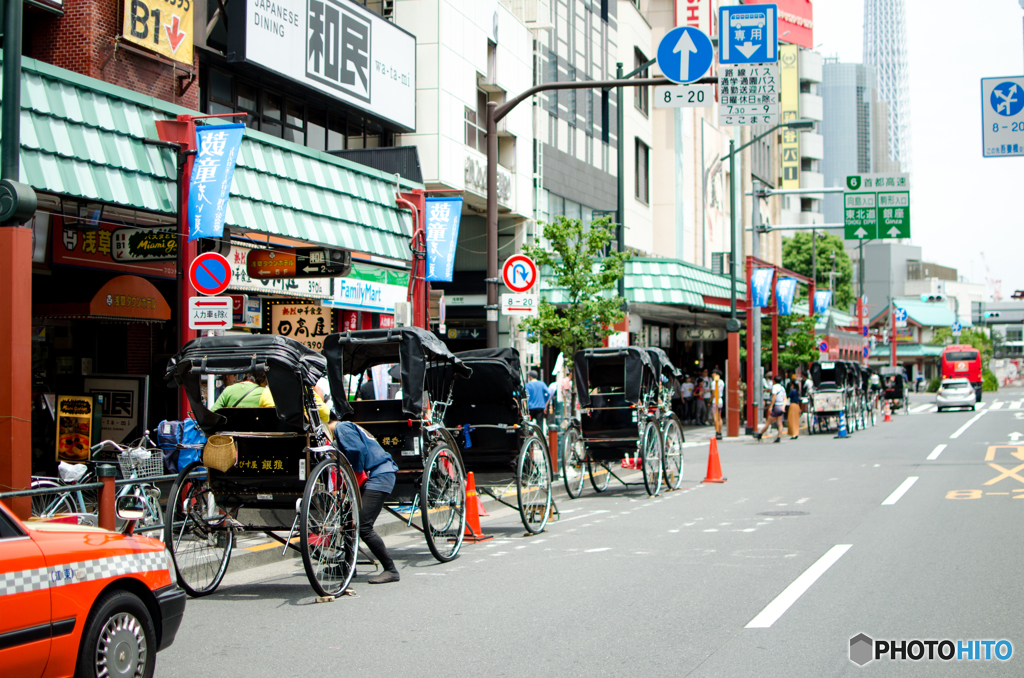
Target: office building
885,48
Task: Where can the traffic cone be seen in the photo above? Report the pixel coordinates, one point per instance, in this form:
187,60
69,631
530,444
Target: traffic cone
888,412
714,474
842,425
473,532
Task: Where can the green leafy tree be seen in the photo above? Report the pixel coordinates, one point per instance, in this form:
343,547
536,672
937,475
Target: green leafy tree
580,263
797,345
796,256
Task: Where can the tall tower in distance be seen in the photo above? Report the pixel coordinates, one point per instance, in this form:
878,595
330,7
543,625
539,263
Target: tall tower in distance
885,48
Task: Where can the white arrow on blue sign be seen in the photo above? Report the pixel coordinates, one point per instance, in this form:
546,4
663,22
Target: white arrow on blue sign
748,34
901,315
685,54
957,327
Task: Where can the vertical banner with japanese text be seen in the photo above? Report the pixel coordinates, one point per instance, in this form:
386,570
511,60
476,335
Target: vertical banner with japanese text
210,184
761,282
784,291
442,226
822,300
789,104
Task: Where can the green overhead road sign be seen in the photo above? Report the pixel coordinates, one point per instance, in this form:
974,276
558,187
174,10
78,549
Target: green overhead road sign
877,206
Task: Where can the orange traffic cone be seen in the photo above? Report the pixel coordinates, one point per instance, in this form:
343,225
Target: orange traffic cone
714,465
473,532
888,412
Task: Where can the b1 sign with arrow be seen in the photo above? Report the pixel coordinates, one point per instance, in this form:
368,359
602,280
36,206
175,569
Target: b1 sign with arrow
300,262
685,54
210,313
748,34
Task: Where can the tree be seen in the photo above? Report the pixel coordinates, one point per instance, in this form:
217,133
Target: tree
796,256
979,340
797,346
581,266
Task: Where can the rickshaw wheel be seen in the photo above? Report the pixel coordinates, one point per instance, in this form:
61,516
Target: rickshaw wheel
651,447
599,481
673,457
329,528
197,534
572,462
533,485
443,503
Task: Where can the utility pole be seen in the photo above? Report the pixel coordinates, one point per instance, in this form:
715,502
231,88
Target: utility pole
620,164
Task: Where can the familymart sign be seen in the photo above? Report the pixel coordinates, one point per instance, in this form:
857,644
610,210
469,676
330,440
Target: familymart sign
877,206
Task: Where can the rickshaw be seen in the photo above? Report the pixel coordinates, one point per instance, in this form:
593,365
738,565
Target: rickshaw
894,390
286,477
431,478
851,386
618,396
499,443
672,436
830,397
867,398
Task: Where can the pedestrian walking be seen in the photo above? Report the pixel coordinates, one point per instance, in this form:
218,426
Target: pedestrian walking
794,408
717,401
686,392
706,382
776,402
537,398
700,410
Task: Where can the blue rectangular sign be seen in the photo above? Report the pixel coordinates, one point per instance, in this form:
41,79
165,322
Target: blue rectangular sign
748,34
761,283
442,225
822,300
784,291
208,189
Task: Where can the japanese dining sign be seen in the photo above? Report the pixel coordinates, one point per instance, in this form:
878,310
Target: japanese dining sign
442,224
212,171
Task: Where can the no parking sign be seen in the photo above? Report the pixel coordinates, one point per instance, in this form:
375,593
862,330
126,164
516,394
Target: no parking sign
210,273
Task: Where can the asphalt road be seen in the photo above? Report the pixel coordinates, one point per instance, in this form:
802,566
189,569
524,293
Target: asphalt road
684,583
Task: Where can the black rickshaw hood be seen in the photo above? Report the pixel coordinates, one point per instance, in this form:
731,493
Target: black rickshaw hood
637,369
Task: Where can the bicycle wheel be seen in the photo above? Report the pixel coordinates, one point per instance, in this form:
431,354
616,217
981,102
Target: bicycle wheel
573,454
600,475
443,503
329,528
650,450
197,534
672,461
49,505
533,485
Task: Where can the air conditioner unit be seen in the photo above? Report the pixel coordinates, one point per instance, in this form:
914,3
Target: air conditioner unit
403,314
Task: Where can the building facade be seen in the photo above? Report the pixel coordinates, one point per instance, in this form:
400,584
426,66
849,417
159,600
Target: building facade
885,48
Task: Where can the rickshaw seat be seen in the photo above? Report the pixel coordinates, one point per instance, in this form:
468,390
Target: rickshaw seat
255,420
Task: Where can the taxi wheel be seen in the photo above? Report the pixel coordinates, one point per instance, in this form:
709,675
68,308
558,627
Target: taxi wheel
119,638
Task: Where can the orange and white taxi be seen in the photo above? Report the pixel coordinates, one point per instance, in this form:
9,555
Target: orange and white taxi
81,601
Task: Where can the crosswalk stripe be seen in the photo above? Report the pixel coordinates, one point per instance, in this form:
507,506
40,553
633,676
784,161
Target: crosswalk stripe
1015,405
920,408
997,405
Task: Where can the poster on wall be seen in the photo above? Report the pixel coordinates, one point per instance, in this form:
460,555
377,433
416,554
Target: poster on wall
714,234
124,405
74,427
308,324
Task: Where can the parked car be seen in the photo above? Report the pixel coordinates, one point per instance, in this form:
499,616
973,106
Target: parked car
79,600
955,393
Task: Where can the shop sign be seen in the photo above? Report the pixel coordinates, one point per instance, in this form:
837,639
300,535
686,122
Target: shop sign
309,288
336,47
124,405
387,322
349,321
700,334
129,296
476,180
442,225
74,427
98,248
253,312
145,244
905,335
696,14
210,184
238,307
308,324
796,24
363,295
162,26
789,103
299,262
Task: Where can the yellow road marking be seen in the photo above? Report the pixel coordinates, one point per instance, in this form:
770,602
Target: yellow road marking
1005,474
1018,451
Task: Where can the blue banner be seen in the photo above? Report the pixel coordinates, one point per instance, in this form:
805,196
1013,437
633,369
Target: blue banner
761,283
214,167
822,300
784,291
442,225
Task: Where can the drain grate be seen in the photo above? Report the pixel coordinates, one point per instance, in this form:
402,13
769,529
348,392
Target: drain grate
784,513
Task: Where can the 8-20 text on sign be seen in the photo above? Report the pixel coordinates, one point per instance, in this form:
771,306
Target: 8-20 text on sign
684,96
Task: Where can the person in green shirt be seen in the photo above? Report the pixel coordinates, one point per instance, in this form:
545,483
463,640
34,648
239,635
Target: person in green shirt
245,392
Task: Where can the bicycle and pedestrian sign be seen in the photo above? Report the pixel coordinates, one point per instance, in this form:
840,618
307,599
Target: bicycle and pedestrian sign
877,206
1002,117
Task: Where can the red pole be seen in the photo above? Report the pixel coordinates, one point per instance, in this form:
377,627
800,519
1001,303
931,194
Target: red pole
107,519
775,325
751,409
416,202
733,418
15,368
892,354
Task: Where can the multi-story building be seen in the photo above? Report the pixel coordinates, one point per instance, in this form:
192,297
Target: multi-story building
885,48
804,209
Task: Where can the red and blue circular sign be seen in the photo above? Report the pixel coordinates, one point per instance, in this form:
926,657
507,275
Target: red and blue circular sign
823,347
519,273
210,273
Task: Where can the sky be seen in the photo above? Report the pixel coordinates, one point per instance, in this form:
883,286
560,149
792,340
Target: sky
963,205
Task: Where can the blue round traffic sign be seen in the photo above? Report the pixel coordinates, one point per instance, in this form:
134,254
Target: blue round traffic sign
1007,98
210,273
823,346
685,54
866,351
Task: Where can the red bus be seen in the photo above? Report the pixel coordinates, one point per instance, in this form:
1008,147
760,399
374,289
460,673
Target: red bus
963,361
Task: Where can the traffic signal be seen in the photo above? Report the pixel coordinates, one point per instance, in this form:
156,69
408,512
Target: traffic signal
992,314
933,298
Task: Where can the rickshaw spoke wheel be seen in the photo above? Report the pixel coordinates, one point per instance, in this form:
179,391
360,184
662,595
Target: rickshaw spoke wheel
650,450
573,455
533,485
600,475
443,503
329,528
197,534
673,457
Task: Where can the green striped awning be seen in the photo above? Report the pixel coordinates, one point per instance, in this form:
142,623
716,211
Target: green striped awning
82,138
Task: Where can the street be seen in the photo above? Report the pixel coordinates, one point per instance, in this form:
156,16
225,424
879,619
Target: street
624,584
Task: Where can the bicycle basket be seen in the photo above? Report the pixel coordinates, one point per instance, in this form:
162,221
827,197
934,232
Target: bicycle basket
141,468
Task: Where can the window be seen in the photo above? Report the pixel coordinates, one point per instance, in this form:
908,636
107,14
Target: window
642,152
640,93
1014,334
552,76
571,104
476,124
589,95
605,122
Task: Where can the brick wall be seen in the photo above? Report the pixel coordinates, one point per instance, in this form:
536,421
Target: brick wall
83,41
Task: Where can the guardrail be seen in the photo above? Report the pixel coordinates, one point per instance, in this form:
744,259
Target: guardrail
107,473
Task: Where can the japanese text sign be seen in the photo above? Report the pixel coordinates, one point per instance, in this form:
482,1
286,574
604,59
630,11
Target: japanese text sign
308,324
442,224
748,95
784,291
163,26
761,283
212,172
822,300
876,206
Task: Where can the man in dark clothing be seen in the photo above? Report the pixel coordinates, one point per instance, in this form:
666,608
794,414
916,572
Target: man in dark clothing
365,454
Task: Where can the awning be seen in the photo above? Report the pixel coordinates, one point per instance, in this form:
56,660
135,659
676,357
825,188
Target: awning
83,138
125,298
907,351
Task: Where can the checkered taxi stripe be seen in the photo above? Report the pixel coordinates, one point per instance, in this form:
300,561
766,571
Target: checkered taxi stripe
25,581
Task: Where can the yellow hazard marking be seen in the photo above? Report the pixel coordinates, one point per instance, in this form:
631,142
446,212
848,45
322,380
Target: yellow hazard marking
1018,451
1004,473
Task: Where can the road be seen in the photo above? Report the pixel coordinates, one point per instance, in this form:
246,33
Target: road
627,585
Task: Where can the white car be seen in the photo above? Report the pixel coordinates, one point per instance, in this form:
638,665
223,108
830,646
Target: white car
955,393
